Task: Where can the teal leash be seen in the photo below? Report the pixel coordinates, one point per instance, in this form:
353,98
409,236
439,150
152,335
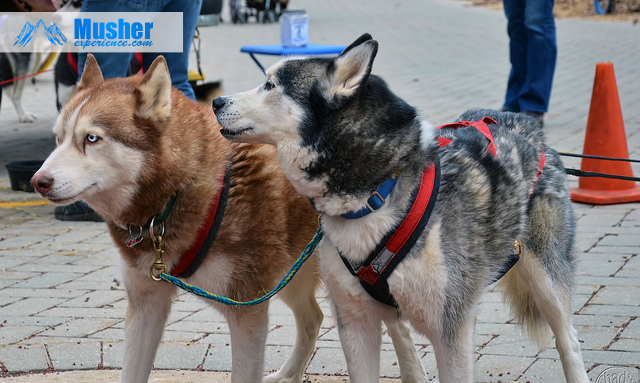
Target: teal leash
306,253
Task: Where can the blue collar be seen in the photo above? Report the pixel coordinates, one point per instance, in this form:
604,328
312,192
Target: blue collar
376,201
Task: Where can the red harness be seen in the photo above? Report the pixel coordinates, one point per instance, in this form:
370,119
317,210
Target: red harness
373,273
483,128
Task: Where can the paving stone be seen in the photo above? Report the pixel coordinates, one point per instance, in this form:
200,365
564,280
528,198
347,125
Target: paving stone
599,321
284,335
632,331
328,361
24,357
29,306
113,354
501,368
175,355
79,327
543,370
603,268
512,345
625,296
41,268
626,345
610,281
80,355
114,334
218,357
4,301
40,293
181,336
95,299
620,240
185,325
631,269
595,338
389,367
615,310
624,358
46,280
275,356
14,334
494,313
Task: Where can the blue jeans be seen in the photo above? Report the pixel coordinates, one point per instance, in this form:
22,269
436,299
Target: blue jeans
533,51
117,64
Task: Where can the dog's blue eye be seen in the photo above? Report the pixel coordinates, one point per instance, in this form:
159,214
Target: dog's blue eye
92,138
268,85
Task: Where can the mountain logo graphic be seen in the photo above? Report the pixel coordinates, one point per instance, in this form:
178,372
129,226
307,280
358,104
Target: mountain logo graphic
53,33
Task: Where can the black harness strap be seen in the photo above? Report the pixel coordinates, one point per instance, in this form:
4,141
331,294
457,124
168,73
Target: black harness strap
213,229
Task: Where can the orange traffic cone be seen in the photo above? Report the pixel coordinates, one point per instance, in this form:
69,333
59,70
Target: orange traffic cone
605,137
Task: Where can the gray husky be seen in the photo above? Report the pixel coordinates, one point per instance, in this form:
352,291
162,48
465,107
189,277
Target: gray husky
374,171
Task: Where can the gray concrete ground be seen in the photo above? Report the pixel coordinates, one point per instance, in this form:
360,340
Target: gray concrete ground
62,305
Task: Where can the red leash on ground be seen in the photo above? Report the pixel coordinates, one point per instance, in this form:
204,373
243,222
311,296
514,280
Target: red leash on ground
25,76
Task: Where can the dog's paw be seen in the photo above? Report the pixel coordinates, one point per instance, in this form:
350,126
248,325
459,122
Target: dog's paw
28,117
278,377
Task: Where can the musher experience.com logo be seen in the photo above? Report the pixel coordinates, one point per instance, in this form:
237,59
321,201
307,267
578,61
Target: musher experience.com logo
87,33
91,32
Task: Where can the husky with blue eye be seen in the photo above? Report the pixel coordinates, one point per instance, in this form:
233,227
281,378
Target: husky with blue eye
418,220
146,158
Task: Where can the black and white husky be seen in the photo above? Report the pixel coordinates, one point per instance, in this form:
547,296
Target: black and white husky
362,157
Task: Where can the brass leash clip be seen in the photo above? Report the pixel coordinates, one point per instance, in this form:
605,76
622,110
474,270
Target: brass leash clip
157,265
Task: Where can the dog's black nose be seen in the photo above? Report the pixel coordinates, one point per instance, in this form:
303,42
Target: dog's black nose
219,102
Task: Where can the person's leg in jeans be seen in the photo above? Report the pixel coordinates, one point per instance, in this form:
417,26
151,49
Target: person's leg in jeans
111,64
515,12
541,56
178,62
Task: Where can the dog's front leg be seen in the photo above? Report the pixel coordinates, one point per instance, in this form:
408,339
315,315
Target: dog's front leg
360,335
248,327
411,369
454,351
147,312
356,314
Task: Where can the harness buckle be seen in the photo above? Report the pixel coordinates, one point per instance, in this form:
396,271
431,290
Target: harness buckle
375,194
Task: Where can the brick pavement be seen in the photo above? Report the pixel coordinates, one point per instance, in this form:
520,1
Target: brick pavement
61,301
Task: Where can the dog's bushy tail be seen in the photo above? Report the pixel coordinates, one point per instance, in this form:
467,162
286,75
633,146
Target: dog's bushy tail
539,287
525,309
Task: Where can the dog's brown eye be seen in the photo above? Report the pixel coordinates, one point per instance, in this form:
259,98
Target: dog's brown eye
268,85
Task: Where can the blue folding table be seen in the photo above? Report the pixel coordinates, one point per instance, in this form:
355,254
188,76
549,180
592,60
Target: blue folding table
280,50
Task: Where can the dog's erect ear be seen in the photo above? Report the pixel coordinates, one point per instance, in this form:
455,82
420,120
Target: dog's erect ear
154,91
349,70
91,75
359,40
